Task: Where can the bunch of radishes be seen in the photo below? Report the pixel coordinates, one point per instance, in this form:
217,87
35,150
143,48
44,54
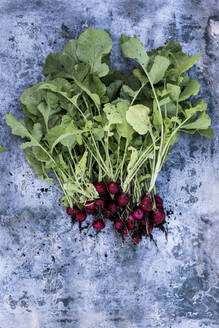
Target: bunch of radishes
129,219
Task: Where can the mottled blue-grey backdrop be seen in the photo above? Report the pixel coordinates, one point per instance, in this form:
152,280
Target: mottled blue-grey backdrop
51,277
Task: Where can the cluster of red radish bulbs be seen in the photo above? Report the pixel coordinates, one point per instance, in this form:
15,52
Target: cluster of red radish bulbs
115,206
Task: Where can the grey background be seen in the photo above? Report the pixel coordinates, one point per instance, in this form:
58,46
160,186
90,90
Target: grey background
51,277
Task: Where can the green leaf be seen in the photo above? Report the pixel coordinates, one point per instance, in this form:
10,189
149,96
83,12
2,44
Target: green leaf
49,107
20,130
95,86
34,163
173,46
92,46
133,158
124,128
66,120
58,64
81,166
93,96
164,101
207,133
35,137
58,85
112,113
40,154
98,133
64,201
184,62
66,136
140,76
158,69
157,120
133,48
191,89
203,122
113,89
174,91
70,48
31,98
138,117
127,90
199,107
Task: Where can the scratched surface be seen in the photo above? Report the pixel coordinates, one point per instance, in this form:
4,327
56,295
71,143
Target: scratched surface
51,277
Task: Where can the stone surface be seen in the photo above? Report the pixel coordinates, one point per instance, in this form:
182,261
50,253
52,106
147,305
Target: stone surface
51,277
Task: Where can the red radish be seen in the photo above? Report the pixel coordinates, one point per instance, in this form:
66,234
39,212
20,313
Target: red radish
143,222
90,211
150,228
90,204
112,207
100,187
146,204
108,214
125,231
100,203
158,216
158,200
138,214
113,188
130,222
99,224
136,239
104,197
72,211
123,199
81,216
118,224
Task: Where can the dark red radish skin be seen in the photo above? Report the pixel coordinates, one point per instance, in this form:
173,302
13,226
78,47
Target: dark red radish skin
108,215
136,239
143,222
118,225
100,187
158,200
90,204
69,211
99,224
112,207
130,222
72,211
90,211
158,216
113,188
105,197
123,199
81,216
138,214
150,228
100,203
146,204
125,232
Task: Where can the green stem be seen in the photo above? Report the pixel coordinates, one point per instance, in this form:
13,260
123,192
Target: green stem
164,152
137,93
156,170
63,189
98,153
123,160
138,164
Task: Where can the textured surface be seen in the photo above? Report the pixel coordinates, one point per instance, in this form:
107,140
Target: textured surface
51,277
